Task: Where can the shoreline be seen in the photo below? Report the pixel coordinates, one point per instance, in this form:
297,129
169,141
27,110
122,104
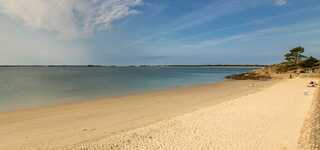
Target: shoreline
68,124
33,88
130,94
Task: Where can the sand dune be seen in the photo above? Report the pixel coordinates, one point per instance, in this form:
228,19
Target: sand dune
267,120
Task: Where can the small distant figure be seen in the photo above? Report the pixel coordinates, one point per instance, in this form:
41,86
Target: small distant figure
312,84
290,76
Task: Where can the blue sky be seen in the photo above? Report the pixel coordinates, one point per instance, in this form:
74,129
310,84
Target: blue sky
126,32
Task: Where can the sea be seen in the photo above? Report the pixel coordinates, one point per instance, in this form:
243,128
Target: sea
28,87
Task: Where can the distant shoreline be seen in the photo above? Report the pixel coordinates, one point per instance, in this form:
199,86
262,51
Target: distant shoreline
52,66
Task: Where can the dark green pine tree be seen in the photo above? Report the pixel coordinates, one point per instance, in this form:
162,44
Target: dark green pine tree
310,62
295,55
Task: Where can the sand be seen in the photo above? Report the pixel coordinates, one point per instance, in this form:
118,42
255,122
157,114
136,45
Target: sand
266,120
310,134
228,115
71,124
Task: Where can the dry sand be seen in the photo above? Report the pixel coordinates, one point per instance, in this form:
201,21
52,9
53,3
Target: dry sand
69,124
229,115
267,120
310,134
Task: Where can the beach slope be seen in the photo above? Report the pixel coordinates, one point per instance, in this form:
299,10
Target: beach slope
270,119
228,115
65,125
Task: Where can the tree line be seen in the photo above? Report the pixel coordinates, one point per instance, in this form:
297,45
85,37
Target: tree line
295,59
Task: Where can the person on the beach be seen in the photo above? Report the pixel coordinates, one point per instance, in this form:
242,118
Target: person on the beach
312,84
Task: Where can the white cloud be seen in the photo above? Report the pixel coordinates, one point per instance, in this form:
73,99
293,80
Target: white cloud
20,46
69,18
280,2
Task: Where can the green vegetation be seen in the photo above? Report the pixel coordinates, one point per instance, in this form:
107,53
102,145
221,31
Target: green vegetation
295,55
310,62
295,61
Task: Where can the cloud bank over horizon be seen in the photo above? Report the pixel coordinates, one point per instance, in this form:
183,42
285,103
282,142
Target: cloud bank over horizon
69,18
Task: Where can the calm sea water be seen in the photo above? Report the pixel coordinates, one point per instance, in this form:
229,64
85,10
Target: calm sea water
23,87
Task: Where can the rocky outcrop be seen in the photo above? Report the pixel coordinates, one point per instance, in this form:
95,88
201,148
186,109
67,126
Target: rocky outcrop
250,76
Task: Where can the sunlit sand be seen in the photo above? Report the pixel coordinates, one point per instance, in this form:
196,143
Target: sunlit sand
241,115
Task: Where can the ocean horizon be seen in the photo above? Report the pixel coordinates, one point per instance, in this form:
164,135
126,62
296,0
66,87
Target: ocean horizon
26,87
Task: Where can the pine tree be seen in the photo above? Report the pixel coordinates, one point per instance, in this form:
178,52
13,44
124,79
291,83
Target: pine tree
295,55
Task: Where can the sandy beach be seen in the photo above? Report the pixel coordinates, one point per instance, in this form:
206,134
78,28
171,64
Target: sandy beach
159,75
69,124
227,115
310,133
270,119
